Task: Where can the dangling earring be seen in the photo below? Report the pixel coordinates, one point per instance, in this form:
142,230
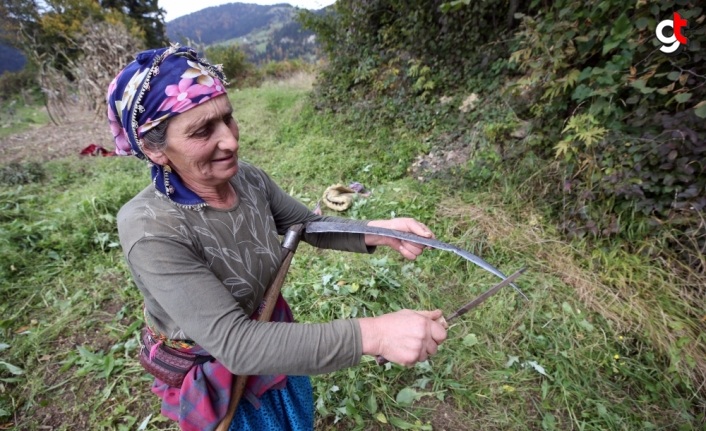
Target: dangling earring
167,187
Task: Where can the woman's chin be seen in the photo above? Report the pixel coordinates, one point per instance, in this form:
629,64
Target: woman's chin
228,164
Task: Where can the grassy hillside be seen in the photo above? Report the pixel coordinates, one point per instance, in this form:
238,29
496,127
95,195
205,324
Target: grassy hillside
568,358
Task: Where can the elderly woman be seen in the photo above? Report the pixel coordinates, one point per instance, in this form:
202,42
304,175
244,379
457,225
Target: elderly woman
202,243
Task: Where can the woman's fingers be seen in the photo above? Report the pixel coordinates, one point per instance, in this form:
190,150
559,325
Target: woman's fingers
409,250
405,337
418,228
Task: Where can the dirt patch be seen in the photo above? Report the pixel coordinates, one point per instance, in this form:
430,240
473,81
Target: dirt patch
445,417
451,150
41,144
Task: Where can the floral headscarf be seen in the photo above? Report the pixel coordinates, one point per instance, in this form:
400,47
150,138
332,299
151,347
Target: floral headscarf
160,84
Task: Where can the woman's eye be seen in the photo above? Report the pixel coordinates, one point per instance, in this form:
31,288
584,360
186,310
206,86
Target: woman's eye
203,132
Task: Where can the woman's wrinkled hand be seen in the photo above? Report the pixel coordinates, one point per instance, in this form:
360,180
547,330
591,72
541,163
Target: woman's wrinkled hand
409,250
404,337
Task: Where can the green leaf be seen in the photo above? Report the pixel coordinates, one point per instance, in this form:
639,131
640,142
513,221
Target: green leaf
407,396
567,308
381,418
610,45
586,73
586,325
642,23
545,389
620,31
371,404
511,360
399,423
12,368
673,76
682,97
4,346
582,92
677,326
470,340
700,109
642,86
549,422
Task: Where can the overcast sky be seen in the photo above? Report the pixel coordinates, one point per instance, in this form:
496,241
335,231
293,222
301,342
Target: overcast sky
177,8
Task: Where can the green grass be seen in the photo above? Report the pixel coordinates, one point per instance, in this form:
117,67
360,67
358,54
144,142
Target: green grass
590,350
16,116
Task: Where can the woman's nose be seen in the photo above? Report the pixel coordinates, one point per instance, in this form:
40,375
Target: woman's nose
226,138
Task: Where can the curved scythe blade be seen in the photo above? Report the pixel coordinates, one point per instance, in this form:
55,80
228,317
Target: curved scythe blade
323,227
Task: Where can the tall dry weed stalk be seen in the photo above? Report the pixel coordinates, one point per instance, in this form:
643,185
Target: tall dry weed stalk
105,48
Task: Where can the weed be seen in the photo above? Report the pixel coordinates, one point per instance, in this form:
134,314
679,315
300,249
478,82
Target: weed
21,173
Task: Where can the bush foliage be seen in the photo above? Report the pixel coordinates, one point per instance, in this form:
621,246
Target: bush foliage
238,70
616,127
241,73
13,84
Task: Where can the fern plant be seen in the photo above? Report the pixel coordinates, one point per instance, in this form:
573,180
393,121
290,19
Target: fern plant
582,131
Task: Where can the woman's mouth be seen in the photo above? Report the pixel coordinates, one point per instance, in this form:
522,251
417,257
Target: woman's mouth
225,158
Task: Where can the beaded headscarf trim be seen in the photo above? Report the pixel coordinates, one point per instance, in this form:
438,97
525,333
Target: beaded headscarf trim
158,85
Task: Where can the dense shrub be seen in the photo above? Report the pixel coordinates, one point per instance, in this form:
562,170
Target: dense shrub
617,125
399,55
284,69
13,83
16,173
634,139
239,71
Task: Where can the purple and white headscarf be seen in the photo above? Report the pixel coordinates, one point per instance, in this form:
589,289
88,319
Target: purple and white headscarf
157,85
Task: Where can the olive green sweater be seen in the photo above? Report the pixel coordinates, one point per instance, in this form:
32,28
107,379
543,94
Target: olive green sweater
202,273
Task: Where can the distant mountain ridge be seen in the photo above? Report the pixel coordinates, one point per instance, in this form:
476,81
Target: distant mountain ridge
265,32
11,59
227,21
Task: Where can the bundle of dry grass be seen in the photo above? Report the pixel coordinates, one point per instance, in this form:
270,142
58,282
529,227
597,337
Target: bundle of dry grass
79,93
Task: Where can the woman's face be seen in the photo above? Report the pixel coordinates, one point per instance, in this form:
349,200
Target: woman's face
202,144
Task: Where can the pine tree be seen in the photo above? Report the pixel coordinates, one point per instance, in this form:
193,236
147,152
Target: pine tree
147,15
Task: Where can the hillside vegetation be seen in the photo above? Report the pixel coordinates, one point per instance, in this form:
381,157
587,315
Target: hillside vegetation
578,92
573,107
548,134
264,33
560,361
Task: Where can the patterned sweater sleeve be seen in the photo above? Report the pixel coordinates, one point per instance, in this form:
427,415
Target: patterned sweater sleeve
182,292
288,211
186,299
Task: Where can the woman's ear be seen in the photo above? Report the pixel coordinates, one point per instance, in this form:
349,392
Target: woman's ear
156,156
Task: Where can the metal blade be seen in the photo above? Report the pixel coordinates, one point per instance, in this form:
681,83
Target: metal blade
485,295
322,227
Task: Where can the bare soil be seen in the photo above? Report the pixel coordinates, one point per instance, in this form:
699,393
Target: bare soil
50,141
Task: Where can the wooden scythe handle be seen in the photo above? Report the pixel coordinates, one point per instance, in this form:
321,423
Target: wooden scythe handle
289,247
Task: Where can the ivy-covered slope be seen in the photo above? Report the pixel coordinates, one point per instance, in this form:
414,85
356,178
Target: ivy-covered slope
573,100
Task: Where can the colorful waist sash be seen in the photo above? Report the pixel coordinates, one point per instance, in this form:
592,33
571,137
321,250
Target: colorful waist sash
202,401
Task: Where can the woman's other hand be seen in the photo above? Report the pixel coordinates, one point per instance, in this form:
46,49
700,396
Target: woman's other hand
404,337
407,249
